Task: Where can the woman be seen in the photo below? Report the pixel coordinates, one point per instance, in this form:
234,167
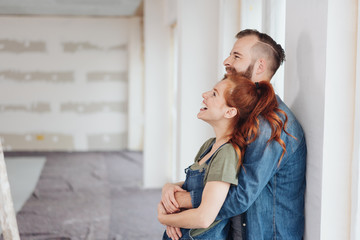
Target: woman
232,108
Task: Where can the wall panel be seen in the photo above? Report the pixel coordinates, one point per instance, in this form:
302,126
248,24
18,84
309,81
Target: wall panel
63,83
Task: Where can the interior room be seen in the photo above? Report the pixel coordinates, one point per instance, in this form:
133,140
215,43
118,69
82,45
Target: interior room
98,105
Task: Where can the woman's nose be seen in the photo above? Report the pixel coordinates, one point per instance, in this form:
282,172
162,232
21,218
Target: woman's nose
204,95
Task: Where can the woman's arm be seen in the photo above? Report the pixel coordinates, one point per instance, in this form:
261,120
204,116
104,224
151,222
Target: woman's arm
213,198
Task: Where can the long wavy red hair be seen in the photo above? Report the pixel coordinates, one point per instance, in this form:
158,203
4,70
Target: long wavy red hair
251,101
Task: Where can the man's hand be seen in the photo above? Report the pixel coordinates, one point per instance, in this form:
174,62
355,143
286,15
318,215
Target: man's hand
183,198
168,197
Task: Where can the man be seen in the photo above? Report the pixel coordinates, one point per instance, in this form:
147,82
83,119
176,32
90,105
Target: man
269,200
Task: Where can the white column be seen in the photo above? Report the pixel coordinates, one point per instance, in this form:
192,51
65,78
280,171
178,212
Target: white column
355,189
339,119
319,87
136,86
198,31
157,111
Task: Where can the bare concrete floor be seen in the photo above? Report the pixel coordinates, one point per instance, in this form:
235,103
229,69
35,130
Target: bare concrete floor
91,195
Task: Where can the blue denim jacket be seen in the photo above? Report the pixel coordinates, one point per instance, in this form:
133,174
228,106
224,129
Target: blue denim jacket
270,197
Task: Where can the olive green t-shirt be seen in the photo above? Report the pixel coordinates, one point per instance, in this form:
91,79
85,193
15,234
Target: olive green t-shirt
222,167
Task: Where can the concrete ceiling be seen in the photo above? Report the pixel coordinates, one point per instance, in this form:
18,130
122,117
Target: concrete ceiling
118,8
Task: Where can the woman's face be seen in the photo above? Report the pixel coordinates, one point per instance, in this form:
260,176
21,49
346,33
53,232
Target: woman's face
214,104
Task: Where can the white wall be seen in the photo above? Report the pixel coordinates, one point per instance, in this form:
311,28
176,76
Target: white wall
274,21
197,61
267,16
339,120
305,75
64,83
229,26
319,87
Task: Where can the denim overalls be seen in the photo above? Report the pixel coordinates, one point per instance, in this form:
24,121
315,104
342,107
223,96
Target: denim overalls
195,181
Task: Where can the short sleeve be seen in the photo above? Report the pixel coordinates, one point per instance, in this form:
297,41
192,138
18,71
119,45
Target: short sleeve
223,166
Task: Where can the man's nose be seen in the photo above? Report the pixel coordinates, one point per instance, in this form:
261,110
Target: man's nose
227,62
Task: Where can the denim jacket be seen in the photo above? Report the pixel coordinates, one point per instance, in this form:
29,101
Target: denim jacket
269,196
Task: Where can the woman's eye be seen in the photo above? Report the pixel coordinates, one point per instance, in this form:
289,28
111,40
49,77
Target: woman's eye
214,94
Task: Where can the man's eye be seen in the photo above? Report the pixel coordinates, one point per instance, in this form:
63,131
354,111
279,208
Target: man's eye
214,94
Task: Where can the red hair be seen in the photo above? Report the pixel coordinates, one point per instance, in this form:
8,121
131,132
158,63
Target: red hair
252,100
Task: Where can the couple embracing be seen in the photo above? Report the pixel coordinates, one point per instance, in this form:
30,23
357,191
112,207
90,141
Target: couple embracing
248,182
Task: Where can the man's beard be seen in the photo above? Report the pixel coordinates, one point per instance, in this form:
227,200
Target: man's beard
247,73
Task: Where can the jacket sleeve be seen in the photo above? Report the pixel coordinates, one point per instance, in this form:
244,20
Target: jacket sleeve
259,166
196,196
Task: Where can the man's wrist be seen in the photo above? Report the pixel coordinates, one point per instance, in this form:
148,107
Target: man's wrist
183,199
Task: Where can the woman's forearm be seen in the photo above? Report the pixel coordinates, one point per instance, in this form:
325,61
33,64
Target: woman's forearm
192,218
213,197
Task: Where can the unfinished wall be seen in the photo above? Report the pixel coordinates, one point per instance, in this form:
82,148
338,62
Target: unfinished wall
63,83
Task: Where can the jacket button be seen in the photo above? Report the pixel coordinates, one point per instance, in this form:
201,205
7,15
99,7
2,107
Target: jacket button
244,224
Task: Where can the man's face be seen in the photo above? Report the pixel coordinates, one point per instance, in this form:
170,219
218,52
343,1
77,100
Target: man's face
240,59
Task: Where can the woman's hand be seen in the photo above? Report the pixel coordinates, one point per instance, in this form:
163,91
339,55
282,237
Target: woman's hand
161,212
168,197
173,232
213,197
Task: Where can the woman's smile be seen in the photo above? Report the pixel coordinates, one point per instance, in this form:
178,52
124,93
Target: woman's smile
203,106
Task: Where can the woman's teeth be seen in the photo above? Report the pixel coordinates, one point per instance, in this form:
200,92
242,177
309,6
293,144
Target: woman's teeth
203,106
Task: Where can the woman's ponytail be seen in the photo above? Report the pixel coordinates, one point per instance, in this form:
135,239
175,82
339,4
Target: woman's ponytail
253,100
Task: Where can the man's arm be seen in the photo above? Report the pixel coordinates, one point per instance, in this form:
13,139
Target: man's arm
260,164
183,199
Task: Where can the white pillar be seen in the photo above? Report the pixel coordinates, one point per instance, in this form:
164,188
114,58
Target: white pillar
355,187
198,31
197,64
319,87
157,111
136,86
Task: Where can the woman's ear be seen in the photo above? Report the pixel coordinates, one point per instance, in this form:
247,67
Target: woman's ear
230,112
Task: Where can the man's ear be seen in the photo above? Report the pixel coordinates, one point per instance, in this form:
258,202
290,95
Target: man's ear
260,66
230,112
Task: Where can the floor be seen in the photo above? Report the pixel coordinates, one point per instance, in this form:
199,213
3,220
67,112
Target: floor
88,196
